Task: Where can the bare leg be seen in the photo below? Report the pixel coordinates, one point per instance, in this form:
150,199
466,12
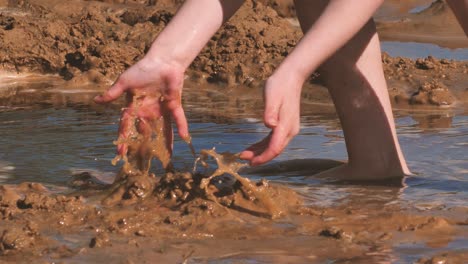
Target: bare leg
460,9
355,79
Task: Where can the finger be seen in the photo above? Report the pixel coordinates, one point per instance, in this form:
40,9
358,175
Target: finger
167,130
144,127
114,92
124,130
173,104
255,149
181,122
272,107
122,149
277,143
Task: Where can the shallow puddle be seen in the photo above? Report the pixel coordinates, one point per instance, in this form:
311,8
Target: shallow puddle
48,144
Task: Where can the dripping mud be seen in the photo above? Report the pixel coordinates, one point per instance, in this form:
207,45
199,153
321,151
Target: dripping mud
143,139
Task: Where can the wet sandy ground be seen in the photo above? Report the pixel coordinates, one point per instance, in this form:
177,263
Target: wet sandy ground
81,47
233,226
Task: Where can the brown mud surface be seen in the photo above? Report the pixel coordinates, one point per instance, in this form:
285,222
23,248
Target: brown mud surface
181,220
89,42
42,227
186,217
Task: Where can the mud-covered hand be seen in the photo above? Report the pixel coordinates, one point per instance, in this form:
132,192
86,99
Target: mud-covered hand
282,96
179,43
157,89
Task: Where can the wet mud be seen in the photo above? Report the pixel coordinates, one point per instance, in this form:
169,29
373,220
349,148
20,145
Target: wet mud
214,212
146,139
38,225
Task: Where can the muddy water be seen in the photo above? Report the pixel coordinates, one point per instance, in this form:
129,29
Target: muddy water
48,144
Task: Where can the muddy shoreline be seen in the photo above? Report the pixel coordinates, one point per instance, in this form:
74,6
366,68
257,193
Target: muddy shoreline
59,54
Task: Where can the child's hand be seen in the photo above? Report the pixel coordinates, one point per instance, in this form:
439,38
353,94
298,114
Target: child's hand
282,109
149,80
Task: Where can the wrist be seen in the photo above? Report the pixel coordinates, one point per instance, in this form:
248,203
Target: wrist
164,62
289,76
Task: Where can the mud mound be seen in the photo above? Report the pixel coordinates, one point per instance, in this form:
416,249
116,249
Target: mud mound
72,38
248,47
175,205
425,81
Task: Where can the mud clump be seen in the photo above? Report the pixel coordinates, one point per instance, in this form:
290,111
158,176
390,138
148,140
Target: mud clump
425,64
433,93
225,187
16,239
101,240
145,139
7,22
425,81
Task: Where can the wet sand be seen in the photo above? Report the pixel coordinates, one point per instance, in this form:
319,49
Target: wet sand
86,44
76,227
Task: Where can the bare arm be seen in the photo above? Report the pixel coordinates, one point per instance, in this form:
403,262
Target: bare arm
339,22
189,31
161,71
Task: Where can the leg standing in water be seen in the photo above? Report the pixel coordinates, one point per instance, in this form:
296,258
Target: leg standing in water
355,79
342,36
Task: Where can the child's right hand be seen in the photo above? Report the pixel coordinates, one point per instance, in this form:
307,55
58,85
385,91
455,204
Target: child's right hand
149,80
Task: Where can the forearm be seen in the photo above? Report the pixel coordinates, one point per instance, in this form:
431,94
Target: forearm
339,22
190,29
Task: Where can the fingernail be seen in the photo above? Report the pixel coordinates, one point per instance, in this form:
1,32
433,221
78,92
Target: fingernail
272,122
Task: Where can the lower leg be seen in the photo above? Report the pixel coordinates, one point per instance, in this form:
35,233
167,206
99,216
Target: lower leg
460,9
354,77
362,102
359,91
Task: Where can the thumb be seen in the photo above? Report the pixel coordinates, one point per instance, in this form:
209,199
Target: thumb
111,94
